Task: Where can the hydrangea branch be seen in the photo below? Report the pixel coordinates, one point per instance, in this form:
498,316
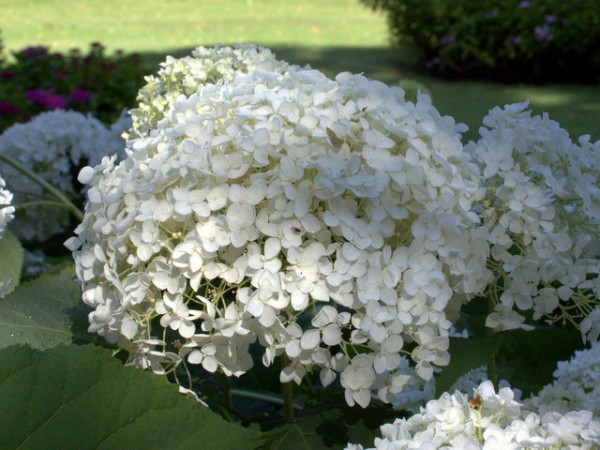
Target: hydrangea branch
62,199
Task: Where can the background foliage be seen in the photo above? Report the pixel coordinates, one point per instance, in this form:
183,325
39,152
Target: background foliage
516,40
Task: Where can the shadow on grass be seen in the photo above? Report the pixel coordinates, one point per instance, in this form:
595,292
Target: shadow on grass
575,107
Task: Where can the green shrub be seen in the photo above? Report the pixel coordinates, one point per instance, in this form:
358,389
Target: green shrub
39,81
507,40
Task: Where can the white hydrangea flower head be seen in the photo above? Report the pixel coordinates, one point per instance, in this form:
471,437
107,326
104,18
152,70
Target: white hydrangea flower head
7,210
281,194
188,75
541,210
54,145
576,385
487,420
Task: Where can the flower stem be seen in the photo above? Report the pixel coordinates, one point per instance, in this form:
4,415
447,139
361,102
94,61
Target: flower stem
287,392
270,398
48,187
491,366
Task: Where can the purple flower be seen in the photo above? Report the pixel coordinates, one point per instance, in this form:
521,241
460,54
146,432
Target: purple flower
491,14
446,40
36,95
46,99
81,95
525,4
8,109
516,40
543,33
38,52
550,18
55,102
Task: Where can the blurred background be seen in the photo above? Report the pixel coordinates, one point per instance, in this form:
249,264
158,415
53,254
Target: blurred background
459,51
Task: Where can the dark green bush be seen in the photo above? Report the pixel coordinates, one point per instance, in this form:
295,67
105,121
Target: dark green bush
40,80
507,40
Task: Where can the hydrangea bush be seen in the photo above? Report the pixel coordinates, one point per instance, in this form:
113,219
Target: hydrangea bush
277,195
332,222
487,420
542,210
263,210
564,414
55,145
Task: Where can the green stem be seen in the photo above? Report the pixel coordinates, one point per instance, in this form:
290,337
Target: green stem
270,398
48,187
491,367
40,203
287,392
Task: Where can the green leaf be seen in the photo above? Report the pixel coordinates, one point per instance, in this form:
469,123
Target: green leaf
45,312
11,261
79,397
328,422
528,358
465,355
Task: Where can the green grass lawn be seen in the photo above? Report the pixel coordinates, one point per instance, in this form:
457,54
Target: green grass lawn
331,35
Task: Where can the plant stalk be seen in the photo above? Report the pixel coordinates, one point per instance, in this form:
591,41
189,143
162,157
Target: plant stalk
491,372
287,392
44,184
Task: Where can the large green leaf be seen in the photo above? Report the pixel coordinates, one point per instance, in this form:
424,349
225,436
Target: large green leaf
45,312
79,397
11,260
465,355
328,422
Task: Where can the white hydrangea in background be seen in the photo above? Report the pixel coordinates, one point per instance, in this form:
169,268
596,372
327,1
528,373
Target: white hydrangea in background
7,211
542,209
487,420
188,75
576,385
54,145
280,195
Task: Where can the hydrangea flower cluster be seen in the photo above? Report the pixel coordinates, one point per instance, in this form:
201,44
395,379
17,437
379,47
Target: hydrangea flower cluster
488,420
318,218
576,385
188,75
55,146
7,211
543,212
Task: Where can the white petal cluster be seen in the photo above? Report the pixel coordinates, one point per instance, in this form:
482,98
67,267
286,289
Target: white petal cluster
488,420
327,220
7,211
54,145
542,212
188,75
576,385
